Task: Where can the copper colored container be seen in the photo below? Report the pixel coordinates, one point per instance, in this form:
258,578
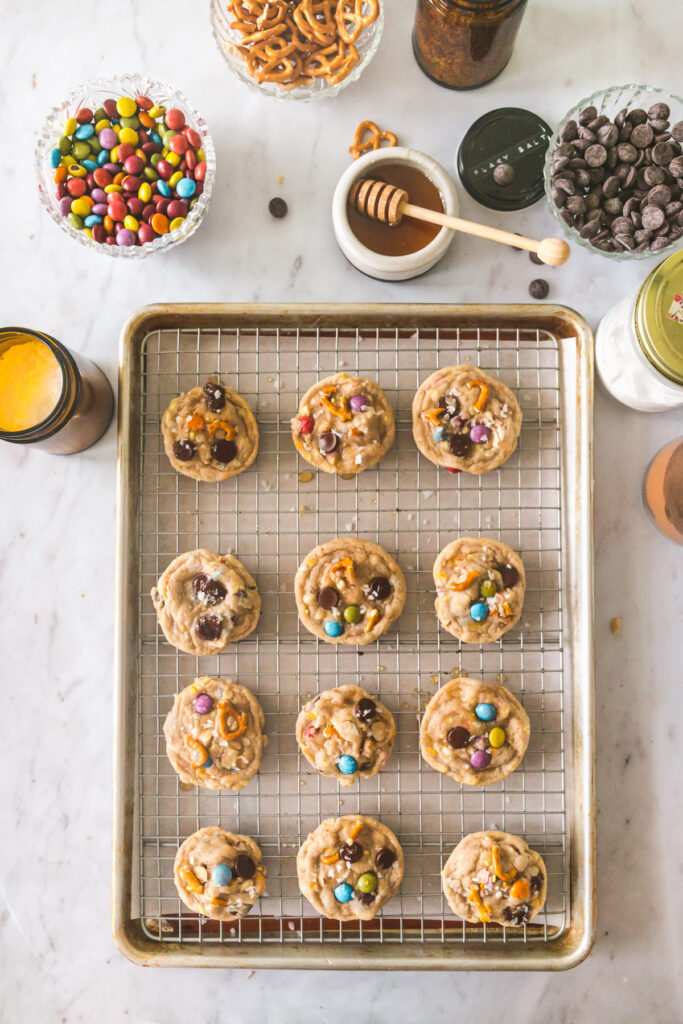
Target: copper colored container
663,490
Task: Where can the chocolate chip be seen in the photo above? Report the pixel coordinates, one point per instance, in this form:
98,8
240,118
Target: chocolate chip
653,217
366,898
659,110
636,116
207,590
535,258
379,588
214,396
223,451
245,867
209,627
327,442
385,858
539,288
278,207
608,135
459,445
676,167
662,153
587,115
658,243
627,153
677,131
328,598
503,174
596,155
654,175
365,709
536,883
509,575
458,737
621,117
184,450
569,132
516,915
642,135
659,195
351,852
621,225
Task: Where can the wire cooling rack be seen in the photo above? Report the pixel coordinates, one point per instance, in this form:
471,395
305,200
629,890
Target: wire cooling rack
271,516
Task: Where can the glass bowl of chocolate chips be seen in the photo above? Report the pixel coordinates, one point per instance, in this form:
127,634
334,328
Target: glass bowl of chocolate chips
614,172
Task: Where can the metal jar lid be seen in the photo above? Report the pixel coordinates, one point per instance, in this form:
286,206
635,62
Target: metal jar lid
659,317
509,135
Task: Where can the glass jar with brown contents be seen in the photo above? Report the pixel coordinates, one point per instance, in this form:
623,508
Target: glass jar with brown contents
465,43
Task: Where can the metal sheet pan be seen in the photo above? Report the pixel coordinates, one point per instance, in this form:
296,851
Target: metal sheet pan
540,502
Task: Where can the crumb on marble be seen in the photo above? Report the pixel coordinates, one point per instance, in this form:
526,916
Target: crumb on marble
615,626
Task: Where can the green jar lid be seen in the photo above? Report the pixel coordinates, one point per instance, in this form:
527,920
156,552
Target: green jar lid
659,317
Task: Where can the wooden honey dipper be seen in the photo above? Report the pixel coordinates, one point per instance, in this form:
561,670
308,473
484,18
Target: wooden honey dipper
389,205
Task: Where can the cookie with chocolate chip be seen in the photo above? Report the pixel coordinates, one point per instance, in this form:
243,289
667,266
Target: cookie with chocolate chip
493,877
345,733
465,419
349,591
214,734
473,731
219,874
480,585
206,601
350,867
344,424
210,433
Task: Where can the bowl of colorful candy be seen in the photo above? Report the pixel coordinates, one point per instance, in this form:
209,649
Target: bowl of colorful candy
126,166
297,49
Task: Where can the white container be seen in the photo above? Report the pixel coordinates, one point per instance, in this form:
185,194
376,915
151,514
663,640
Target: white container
393,268
639,342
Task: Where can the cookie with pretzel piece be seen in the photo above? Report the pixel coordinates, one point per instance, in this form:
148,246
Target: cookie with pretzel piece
219,874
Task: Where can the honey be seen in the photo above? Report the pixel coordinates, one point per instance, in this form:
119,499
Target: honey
410,235
31,383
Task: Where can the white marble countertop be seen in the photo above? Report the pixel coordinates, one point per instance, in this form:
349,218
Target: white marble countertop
57,515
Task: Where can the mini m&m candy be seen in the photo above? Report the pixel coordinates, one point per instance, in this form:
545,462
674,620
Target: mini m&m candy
221,875
485,712
497,737
140,168
479,611
347,765
333,628
343,893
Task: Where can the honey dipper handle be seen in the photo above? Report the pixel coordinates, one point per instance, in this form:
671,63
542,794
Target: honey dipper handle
553,251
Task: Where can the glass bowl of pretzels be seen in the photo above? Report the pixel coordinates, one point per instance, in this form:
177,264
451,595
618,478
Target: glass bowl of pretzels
297,49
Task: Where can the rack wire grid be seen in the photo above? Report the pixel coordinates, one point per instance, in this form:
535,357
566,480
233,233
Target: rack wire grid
271,516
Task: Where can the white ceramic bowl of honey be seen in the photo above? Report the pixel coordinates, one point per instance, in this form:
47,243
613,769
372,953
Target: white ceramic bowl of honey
413,247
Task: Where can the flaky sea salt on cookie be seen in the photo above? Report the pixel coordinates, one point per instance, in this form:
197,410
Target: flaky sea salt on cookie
219,874
473,731
344,424
349,591
465,419
206,601
480,585
214,734
349,867
210,433
345,734
493,877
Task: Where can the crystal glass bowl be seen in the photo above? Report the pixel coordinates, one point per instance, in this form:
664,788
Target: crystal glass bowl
92,95
609,102
227,39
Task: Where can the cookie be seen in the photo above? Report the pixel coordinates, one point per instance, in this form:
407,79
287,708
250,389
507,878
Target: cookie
345,734
480,586
465,419
219,874
350,867
475,732
349,591
493,877
206,601
214,735
344,424
210,433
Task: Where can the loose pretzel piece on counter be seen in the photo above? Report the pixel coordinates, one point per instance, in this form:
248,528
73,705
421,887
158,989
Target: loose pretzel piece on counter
361,144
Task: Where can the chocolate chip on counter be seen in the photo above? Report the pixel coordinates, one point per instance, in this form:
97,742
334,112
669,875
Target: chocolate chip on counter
539,288
223,451
327,442
535,259
209,627
365,710
184,450
503,174
214,396
245,867
278,207
385,858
